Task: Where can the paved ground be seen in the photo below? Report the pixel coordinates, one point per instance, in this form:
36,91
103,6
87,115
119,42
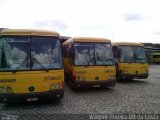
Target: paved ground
137,96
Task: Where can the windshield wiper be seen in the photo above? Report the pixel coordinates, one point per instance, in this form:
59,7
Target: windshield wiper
16,69
19,65
131,61
141,60
44,68
109,62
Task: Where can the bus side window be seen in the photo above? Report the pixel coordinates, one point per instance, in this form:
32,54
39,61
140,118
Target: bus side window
71,53
115,52
64,52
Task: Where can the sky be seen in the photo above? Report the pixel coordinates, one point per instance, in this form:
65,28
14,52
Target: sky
117,20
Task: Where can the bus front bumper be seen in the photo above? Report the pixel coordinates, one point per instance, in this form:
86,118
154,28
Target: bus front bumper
133,76
102,83
30,97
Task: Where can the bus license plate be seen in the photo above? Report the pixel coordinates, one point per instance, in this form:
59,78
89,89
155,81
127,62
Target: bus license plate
32,99
96,86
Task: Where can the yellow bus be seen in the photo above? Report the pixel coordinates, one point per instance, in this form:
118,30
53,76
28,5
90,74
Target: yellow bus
30,65
131,61
153,55
155,58
88,62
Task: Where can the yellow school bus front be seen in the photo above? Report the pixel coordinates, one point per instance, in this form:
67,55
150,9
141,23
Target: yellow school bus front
131,61
31,86
89,62
133,70
95,76
30,66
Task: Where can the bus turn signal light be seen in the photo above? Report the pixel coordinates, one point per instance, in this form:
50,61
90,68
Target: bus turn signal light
5,89
56,86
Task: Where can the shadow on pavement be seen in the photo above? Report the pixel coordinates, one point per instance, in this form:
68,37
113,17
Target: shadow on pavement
25,105
133,81
92,90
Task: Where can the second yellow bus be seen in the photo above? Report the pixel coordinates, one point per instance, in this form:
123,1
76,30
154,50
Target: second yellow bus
88,62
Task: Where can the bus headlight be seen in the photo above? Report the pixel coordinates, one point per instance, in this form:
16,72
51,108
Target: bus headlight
125,71
56,86
5,89
111,77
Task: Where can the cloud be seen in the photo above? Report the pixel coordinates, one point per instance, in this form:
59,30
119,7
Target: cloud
94,27
3,1
57,25
130,20
134,17
156,33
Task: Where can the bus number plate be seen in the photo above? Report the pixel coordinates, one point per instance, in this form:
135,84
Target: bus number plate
32,99
96,86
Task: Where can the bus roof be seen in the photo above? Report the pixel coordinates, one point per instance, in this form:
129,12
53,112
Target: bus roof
127,44
24,32
86,39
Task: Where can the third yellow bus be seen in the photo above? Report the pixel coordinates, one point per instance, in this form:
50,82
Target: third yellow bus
131,61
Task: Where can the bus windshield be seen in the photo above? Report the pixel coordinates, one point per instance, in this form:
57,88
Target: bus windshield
132,54
93,54
25,53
